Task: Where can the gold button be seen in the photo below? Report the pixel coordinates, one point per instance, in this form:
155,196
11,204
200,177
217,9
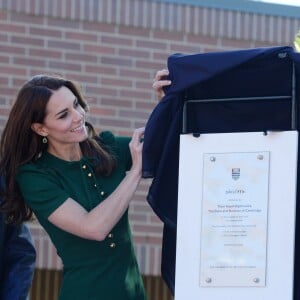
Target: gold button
112,245
84,167
102,193
110,236
90,174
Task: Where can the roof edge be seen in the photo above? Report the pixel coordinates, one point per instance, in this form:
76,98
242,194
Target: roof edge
253,6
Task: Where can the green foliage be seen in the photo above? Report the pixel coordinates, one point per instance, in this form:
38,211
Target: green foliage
297,42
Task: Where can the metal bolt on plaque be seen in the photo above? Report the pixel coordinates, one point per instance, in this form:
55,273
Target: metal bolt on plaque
212,158
256,280
260,157
208,280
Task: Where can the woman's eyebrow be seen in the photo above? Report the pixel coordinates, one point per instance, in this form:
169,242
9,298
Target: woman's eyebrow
64,110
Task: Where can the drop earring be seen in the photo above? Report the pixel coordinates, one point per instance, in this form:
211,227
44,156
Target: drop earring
44,140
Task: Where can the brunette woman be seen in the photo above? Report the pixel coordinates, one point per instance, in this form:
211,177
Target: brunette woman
77,183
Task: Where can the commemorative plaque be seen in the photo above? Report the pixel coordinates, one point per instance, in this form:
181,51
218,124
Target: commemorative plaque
236,216
234,219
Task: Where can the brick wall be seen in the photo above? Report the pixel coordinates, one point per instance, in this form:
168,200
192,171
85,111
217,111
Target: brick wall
114,48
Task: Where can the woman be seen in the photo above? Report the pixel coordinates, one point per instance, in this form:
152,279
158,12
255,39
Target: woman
77,184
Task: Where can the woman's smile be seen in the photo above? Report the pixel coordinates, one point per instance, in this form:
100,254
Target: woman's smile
78,129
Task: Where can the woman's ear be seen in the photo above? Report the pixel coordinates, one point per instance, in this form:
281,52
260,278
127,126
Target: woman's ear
38,128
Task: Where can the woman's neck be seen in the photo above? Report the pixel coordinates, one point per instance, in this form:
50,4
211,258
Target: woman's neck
68,153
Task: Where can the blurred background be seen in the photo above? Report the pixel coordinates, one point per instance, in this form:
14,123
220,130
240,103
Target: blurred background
113,48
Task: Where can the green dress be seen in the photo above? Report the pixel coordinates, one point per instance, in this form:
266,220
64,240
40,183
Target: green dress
93,270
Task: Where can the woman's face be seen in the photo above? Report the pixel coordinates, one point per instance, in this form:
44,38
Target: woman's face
65,119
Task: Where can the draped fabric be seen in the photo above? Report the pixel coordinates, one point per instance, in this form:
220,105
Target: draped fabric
234,91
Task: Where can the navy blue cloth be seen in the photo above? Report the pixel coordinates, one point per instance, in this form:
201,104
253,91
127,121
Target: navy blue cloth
17,261
249,73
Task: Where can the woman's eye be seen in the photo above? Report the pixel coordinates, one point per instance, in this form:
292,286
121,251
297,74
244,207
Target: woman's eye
62,116
76,103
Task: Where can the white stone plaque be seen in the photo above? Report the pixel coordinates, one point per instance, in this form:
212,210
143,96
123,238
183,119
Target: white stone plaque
234,219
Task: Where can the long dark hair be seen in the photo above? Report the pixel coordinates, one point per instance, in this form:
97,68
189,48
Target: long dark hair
20,144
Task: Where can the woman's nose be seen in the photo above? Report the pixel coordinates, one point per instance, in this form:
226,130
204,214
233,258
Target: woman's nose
77,115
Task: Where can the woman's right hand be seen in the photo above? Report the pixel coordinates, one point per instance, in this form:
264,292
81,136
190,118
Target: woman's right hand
136,147
159,82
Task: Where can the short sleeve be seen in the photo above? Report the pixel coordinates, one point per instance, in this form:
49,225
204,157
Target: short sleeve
124,151
120,147
40,189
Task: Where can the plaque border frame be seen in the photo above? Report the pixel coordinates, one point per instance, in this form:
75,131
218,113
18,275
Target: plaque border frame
279,278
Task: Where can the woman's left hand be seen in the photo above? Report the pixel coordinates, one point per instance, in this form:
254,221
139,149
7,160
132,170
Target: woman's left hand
159,82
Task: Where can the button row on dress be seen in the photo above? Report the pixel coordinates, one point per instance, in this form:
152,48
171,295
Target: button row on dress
102,193
110,236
